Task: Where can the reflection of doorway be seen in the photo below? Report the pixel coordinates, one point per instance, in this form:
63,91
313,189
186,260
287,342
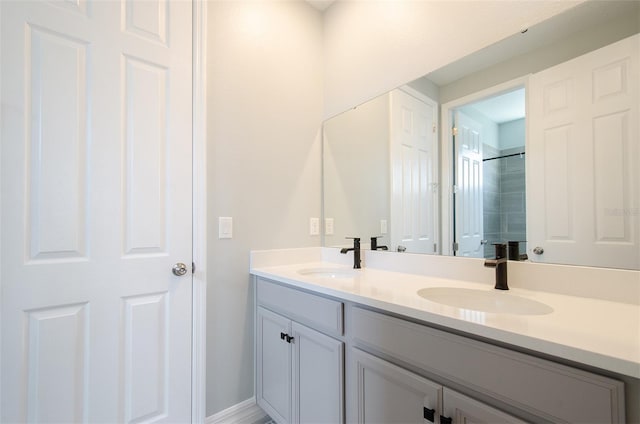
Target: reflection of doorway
487,175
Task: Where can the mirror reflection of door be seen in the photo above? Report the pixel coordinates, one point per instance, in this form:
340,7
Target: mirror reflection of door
468,192
489,175
413,157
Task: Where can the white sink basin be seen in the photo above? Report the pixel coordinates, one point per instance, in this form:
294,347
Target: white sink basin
328,272
494,301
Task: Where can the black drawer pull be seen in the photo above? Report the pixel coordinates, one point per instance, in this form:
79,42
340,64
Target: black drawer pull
445,420
428,414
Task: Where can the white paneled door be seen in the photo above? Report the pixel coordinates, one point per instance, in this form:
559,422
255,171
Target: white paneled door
583,177
96,210
414,170
468,187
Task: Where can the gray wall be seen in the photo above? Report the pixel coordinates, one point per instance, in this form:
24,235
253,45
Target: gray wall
264,105
356,172
542,58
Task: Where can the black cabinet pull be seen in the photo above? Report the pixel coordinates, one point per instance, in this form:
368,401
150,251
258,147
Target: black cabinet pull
445,420
282,336
289,338
428,414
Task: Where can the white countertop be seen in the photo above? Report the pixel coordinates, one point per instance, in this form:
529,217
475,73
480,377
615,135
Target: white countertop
599,333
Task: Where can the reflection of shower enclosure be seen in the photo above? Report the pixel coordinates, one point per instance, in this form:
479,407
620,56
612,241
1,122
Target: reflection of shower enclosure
502,200
504,197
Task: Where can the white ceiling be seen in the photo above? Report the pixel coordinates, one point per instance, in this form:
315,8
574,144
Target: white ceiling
503,108
321,5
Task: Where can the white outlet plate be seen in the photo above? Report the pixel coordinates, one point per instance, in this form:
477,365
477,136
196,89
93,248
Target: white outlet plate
383,226
314,226
328,226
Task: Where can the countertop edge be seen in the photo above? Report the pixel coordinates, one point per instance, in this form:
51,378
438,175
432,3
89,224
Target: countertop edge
533,344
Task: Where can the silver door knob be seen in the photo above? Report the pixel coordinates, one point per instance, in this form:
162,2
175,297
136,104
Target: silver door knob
538,250
179,269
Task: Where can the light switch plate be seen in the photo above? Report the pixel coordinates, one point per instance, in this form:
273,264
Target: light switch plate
314,226
225,227
328,226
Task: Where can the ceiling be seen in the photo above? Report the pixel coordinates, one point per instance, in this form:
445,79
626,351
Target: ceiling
503,108
321,5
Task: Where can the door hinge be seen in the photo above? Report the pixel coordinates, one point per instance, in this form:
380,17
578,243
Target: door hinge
454,131
455,246
193,267
433,128
435,247
454,189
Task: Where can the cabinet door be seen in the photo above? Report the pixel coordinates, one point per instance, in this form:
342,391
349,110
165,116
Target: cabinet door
318,377
463,409
390,394
273,365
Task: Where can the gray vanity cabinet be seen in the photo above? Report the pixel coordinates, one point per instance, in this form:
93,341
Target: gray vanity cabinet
300,366
387,393
513,381
300,370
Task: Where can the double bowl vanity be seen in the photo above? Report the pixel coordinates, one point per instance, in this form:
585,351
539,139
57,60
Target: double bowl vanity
335,344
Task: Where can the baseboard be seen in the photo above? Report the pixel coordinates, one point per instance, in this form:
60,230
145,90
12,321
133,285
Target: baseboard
245,412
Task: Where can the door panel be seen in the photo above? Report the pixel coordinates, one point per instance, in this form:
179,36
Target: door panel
146,100
274,365
583,152
96,210
413,147
145,356
56,110
318,377
57,340
468,196
390,394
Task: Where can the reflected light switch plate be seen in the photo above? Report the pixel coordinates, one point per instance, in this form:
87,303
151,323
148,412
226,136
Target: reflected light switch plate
225,227
383,226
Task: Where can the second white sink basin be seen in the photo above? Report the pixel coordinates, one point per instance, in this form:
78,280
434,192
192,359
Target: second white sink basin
494,301
328,272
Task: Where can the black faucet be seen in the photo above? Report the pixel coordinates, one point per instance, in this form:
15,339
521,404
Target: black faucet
356,251
514,252
500,264
374,244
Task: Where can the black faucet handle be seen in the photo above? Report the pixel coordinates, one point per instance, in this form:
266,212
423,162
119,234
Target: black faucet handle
501,250
374,244
514,251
